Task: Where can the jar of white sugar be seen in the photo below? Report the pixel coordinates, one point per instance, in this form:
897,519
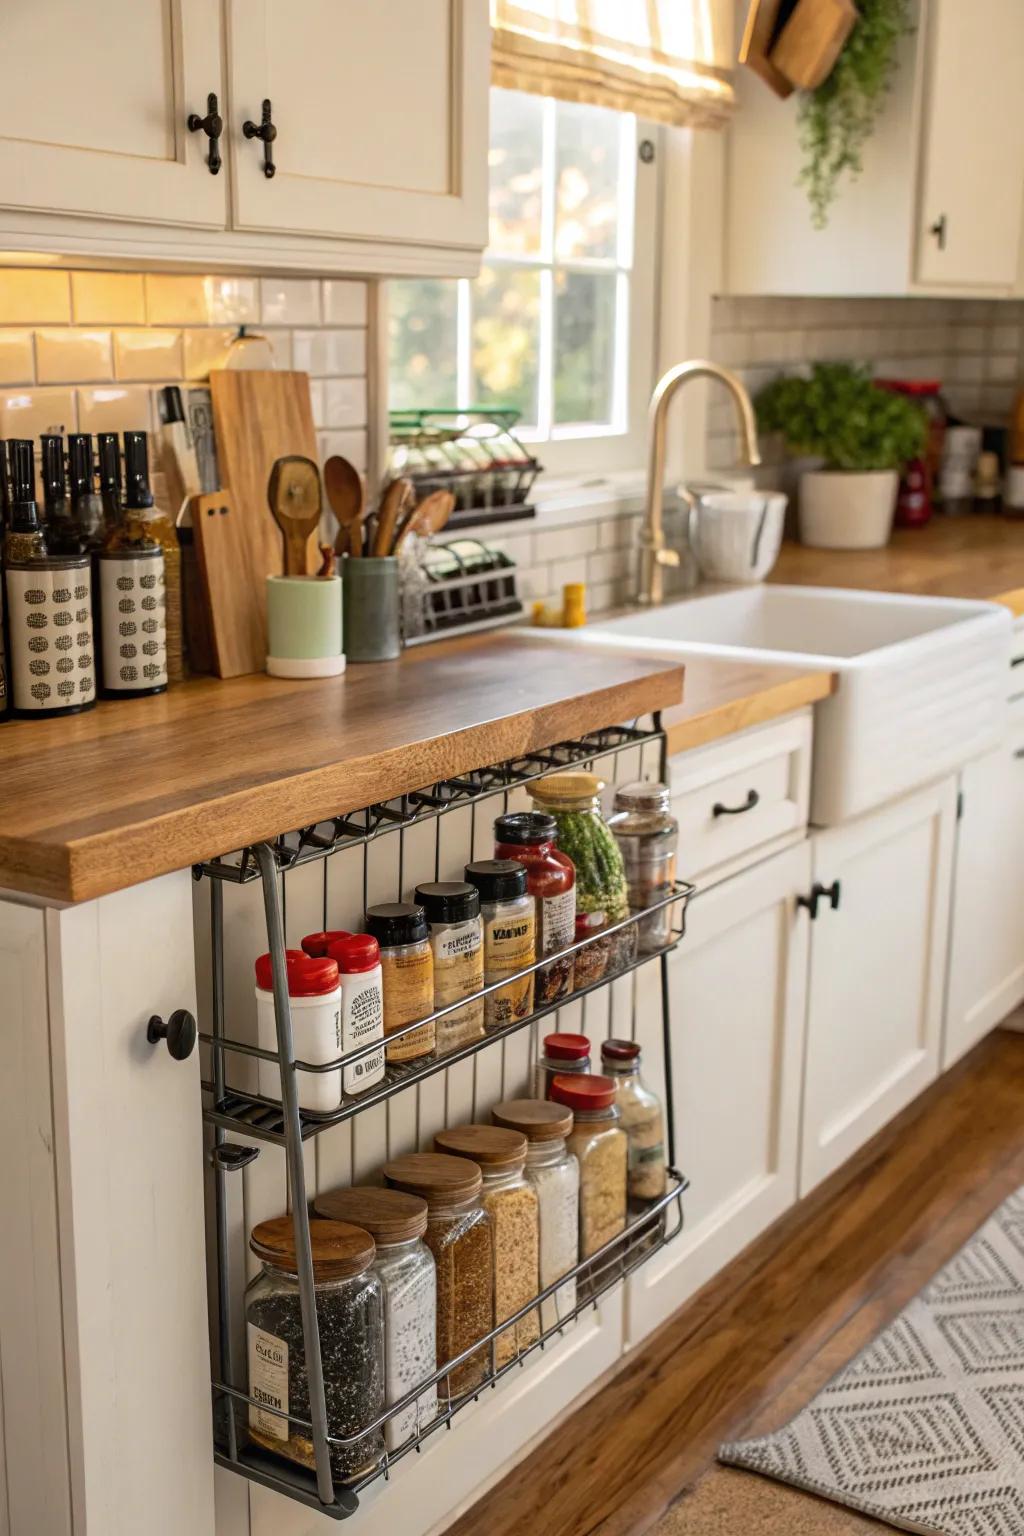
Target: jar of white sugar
555,1175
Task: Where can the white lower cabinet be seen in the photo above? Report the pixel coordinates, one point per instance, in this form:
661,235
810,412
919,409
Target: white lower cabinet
877,972
737,990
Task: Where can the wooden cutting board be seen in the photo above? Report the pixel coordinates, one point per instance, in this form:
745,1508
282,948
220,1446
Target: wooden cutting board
221,540
259,416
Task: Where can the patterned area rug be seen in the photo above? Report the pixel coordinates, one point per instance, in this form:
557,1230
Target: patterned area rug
925,1427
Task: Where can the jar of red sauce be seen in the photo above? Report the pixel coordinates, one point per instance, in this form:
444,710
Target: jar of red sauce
529,837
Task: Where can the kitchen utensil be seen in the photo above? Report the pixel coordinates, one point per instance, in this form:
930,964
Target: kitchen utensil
433,513
810,40
260,416
394,500
347,497
294,497
235,622
756,46
371,609
736,535
405,527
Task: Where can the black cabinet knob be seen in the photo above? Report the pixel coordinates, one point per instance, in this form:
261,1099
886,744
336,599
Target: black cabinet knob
179,1032
213,126
266,130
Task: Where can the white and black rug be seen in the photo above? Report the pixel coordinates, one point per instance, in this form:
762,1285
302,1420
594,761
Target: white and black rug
925,1427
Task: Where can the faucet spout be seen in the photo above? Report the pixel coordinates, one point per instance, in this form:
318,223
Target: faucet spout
654,554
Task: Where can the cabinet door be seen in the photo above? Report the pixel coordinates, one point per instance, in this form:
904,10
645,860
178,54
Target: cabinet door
877,972
93,111
972,188
737,994
381,118
986,958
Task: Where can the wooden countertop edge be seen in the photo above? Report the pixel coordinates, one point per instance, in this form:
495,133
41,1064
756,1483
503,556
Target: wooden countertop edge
755,708
80,869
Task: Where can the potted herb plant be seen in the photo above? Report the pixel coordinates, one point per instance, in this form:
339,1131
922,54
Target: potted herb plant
862,433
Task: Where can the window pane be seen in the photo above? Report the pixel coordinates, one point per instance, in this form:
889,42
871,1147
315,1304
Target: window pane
421,343
515,173
588,181
506,310
584,346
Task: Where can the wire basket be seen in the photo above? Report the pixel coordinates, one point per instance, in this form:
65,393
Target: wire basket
474,454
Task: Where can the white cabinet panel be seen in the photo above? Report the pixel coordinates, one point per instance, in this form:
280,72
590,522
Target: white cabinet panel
737,988
877,972
94,109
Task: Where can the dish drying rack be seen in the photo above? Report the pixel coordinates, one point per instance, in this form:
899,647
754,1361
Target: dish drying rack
281,1122
474,454
461,587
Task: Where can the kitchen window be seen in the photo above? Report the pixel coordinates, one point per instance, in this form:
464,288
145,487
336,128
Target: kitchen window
560,322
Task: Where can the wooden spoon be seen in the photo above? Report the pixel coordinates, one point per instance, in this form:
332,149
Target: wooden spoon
398,493
347,497
294,496
433,512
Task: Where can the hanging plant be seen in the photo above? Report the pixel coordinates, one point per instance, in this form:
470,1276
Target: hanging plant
838,118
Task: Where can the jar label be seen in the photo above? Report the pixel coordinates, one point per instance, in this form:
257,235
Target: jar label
510,945
362,1022
557,920
408,995
268,1382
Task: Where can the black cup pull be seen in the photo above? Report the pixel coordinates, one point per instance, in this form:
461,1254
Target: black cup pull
753,798
266,131
213,126
179,1032
820,893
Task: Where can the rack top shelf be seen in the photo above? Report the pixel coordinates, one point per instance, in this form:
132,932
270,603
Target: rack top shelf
134,789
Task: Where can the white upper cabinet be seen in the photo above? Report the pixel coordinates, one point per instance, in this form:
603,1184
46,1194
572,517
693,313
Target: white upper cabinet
380,113
93,112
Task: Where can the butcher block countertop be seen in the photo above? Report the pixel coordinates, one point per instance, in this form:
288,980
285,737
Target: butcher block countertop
135,789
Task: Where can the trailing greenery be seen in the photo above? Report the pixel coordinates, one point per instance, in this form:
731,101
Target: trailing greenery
838,118
840,415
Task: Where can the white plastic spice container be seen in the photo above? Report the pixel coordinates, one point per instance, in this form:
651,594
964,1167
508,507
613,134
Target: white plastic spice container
315,995
555,1175
397,1221
362,999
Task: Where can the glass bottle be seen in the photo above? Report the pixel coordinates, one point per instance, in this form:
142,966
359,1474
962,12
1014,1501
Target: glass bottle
350,1316
648,835
407,963
24,538
86,503
642,1122
452,909
511,1204
529,837
509,936
62,536
554,1173
602,895
600,1145
108,452
560,1053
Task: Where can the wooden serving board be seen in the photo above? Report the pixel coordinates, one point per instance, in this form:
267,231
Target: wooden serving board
259,416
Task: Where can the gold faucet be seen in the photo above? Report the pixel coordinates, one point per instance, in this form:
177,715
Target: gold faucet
654,553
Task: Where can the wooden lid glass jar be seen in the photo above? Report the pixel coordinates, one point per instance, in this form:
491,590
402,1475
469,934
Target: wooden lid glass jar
555,1176
641,1120
458,1235
602,895
561,1053
599,1143
647,834
350,1315
397,1221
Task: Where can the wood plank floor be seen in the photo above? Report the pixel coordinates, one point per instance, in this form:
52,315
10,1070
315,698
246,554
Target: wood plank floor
762,1337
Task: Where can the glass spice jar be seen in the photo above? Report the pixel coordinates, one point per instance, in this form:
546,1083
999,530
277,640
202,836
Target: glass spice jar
560,1054
602,894
350,1318
599,1144
397,1221
529,838
642,1122
512,1205
407,966
648,835
555,1175
509,936
459,1237
452,910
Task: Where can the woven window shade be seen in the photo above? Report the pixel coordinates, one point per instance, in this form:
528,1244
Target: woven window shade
662,59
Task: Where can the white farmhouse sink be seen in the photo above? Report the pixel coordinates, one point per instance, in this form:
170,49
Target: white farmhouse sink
922,680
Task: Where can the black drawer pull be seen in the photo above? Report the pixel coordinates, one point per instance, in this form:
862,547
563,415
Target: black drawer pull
820,893
753,798
213,126
1018,661
265,129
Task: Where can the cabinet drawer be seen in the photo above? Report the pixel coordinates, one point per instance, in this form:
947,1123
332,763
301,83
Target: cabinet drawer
735,799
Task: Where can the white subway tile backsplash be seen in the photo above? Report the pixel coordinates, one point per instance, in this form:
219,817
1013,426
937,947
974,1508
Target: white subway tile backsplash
290,300
557,543
329,353
64,356
345,402
30,412
612,565
350,445
344,303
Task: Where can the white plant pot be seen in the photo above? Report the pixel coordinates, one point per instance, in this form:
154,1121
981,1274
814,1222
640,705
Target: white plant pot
841,509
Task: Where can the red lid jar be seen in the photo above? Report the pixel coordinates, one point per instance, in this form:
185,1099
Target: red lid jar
320,943
308,975
588,1094
529,838
355,953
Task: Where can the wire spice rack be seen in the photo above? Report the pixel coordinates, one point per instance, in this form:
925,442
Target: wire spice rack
281,1122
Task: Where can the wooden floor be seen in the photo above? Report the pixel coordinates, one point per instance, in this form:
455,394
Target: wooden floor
761,1338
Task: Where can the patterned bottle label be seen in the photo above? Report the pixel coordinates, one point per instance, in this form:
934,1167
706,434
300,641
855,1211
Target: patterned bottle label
51,663
133,622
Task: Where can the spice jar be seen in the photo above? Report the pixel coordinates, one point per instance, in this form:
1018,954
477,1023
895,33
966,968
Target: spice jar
400,929
600,1146
554,1174
315,1003
360,976
561,1054
647,834
641,1120
512,1205
397,1221
459,1237
602,895
509,936
452,910
350,1318
529,837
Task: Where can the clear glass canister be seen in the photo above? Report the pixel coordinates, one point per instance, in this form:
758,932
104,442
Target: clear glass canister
599,1144
459,1237
350,1316
642,1122
561,1053
602,894
648,835
397,1221
511,1204
555,1175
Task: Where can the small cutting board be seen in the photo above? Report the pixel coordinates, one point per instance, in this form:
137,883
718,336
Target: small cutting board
237,632
259,416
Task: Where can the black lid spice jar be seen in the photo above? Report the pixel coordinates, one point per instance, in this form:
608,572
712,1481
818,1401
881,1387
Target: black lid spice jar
452,909
350,1316
407,967
509,936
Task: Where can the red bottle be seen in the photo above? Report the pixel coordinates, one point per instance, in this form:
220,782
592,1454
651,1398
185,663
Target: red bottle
529,837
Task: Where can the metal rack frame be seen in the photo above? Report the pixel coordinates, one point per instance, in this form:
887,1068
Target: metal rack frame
283,1123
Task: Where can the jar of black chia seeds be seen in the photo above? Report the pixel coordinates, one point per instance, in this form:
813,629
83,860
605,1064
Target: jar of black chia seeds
350,1314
